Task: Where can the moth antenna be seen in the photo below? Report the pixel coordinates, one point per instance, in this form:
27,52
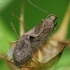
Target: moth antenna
37,7
14,30
19,19
16,17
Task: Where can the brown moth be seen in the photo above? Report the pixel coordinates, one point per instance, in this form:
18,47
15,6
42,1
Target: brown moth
23,52
32,40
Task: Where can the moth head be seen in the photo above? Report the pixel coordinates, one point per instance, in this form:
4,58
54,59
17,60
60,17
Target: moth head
53,17
50,22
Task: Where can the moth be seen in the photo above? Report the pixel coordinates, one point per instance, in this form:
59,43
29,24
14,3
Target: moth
32,40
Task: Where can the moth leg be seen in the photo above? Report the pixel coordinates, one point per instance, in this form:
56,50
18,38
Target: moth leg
14,42
10,60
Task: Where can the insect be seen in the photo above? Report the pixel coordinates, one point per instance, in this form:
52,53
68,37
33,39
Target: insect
32,40
35,39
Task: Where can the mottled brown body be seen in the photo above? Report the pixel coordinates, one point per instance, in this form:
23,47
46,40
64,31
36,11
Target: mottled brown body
31,41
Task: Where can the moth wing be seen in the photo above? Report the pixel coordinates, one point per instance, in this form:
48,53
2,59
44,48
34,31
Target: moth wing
23,51
10,52
36,30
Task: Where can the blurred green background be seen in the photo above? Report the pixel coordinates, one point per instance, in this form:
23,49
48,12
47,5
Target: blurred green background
32,17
